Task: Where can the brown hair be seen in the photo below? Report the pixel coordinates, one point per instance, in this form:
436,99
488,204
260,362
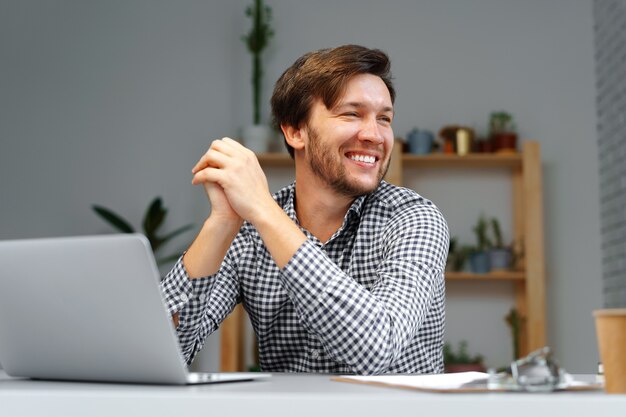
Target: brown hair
324,75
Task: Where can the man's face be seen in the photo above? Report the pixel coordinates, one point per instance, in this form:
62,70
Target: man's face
349,146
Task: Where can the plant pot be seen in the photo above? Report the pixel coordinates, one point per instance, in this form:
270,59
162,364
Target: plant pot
505,142
500,259
479,262
257,138
464,367
484,146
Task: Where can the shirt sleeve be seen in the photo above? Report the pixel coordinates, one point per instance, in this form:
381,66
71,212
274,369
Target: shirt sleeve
368,329
191,298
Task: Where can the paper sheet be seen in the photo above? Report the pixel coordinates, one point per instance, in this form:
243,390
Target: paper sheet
454,382
438,382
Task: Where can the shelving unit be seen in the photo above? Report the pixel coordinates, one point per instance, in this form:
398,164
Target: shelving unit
529,283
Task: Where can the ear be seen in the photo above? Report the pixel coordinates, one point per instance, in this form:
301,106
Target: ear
294,136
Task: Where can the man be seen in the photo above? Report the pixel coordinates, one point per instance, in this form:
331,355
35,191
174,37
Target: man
339,272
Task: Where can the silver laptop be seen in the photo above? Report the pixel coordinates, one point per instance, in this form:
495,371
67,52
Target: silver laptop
89,309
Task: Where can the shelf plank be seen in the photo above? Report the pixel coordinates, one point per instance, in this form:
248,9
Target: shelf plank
472,160
491,276
278,159
505,160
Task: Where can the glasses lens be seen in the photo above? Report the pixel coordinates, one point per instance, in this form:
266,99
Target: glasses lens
536,372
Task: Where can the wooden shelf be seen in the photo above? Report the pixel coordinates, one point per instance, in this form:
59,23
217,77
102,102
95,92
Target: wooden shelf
526,181
491,276
478,160
277,159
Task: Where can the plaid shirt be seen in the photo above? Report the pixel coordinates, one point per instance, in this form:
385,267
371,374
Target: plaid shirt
368,301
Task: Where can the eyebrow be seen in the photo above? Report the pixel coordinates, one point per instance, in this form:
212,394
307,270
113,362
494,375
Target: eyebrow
358,105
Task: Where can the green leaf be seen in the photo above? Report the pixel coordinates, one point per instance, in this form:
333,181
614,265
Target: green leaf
158,241
114,219
176,232
154,217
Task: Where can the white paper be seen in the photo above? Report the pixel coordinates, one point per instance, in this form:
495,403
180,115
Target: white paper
437,381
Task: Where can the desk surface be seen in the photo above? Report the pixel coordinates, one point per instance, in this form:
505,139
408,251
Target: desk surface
285,395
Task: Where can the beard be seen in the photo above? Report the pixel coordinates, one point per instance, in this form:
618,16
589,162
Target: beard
324,164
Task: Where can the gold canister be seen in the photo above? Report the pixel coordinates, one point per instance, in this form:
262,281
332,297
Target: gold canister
463,141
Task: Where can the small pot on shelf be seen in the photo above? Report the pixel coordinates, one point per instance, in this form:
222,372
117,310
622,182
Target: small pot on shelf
257,138
500,259
505,142
480,262
420,141
459,359
503,132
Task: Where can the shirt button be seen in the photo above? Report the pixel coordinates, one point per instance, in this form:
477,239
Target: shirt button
202,297
184,298
315,353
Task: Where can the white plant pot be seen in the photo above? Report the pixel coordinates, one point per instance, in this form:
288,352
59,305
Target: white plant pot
257,137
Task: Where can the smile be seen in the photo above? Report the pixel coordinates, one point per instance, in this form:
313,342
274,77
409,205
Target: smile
368,159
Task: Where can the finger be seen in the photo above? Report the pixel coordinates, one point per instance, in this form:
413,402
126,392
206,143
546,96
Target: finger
225,146
231,142
207,175
212,157
238,150
228,146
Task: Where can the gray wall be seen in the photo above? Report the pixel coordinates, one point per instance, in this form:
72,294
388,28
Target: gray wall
113,102
610,19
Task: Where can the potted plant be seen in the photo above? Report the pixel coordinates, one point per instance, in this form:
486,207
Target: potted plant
456,256
500,255
514,320
152,222
460,360
503,132
479,254
257,136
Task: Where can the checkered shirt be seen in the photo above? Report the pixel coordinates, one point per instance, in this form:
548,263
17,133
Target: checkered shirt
368,301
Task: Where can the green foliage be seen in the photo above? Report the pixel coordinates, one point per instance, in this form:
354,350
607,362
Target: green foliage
152,222
460,356
497,233
500,122
515,321
261,32
483,242
256,41
457,255
452,246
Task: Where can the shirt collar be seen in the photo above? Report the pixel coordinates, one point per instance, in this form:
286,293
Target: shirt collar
290,207
353,213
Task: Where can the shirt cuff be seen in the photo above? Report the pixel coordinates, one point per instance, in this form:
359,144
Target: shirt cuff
179,290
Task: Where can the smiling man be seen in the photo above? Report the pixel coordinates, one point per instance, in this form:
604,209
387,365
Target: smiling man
340,272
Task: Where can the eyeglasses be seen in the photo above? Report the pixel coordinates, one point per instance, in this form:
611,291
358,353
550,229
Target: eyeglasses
537,372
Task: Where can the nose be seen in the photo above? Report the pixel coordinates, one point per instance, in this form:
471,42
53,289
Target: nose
370,130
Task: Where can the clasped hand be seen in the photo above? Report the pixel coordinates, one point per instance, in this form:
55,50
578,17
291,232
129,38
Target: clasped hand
233,180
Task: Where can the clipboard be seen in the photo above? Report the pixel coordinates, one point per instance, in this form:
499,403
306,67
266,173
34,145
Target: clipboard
462,382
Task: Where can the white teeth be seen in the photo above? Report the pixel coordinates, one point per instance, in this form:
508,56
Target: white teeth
363,158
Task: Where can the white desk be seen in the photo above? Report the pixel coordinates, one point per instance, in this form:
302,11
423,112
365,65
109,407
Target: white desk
286,395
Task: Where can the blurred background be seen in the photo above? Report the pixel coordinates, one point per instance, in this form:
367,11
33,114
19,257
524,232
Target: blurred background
112,103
